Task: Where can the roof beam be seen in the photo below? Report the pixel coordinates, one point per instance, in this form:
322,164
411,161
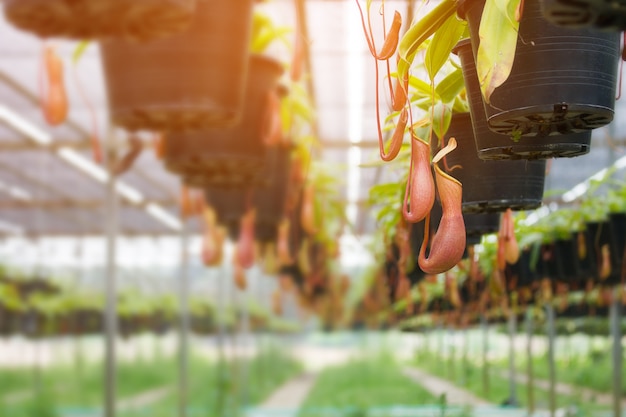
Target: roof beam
36,182
23,146
71,204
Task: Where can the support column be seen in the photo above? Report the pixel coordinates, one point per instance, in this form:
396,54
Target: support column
551,364
110,313
485,362
616,333
529,361
183,332
512,373
466,344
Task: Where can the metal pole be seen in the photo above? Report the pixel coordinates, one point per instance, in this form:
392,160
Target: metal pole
243,301
221,331
110,314
529,364
450,352
183,332
512,374
466,344
485,330
551,365
616,332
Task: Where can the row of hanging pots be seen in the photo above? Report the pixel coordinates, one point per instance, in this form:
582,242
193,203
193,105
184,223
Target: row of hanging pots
25,288
269,198
594,253
561,86
34,324
230,156
215,115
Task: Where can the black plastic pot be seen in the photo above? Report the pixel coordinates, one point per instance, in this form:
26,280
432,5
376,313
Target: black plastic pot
525,270
566,251
491,145
190,81
32,323
492,186
88,321
562,80
598,235
8,321
229,157
416,237
89,19
586,262
618,235
479,224
269,200
598,14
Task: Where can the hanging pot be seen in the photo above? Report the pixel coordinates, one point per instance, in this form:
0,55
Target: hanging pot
586,262
89,19
193,80
8,321
492,186
479,224
491,145
617,223
562,80
567,257
268,200
598,14
598,243
528,268
416,237
233,156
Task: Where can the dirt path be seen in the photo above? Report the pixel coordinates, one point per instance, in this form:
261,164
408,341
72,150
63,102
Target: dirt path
143,399
286,400
586,394
16,397
438,386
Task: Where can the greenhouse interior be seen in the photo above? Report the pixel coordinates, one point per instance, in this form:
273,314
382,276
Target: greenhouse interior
355,230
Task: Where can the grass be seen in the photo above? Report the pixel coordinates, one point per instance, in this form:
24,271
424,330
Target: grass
84,388
593,371
470,377
362,384
224,389
212,386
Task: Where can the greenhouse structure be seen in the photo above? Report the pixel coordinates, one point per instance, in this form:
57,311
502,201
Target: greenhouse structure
312,208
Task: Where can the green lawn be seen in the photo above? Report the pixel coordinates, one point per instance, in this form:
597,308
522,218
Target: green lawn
212,386
362,384
592,372
469,375
222,389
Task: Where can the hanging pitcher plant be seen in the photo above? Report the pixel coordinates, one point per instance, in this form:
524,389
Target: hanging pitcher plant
423,109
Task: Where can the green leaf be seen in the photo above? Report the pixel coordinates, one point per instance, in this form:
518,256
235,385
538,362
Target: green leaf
451,86
79,51
421,30
498,41
422,87
441,116
460,105
265,39
440,48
